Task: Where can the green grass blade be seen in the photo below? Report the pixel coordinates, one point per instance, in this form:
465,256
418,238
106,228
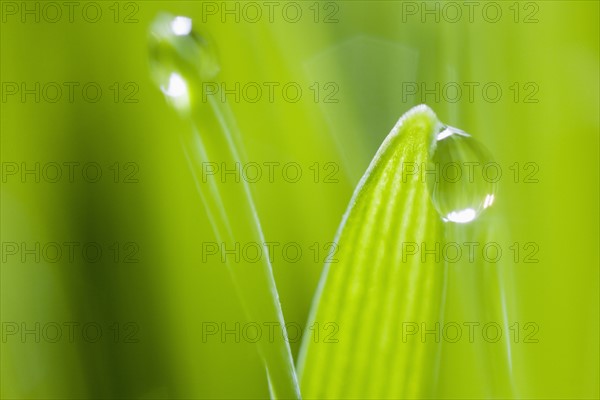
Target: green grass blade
179,65
371,293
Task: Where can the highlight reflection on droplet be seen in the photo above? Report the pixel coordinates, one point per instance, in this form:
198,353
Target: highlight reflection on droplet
456,176
181,26
177,91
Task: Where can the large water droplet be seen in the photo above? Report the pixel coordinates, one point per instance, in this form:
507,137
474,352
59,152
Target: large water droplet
459,176
180,59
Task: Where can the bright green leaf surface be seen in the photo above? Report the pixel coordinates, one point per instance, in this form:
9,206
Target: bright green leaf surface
370,292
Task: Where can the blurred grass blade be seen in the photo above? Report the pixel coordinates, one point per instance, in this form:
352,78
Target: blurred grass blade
371,294
480,293
180,62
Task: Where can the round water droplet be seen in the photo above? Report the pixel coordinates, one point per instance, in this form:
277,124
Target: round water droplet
180,59
461,176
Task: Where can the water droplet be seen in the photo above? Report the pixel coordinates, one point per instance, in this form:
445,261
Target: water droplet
180,59
459,175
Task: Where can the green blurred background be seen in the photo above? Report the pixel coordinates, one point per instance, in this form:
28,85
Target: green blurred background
151,291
